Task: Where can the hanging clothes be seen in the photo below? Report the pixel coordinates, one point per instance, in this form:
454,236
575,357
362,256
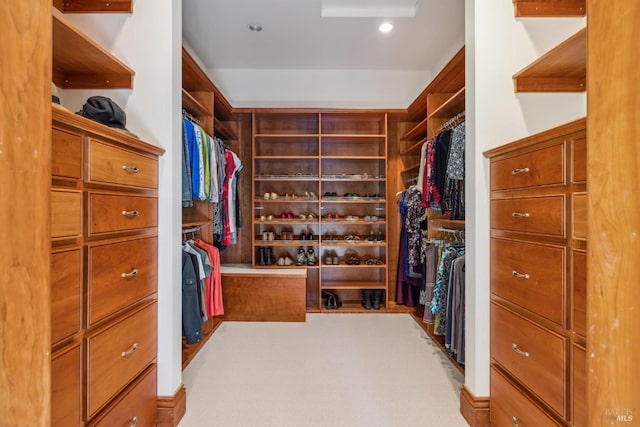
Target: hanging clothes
213,287
438,304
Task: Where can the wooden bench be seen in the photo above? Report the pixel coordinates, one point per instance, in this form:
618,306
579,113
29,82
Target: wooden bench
264,295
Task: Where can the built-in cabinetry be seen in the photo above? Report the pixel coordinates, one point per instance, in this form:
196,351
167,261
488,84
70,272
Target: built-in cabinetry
205,105
104,218
320,200
538,316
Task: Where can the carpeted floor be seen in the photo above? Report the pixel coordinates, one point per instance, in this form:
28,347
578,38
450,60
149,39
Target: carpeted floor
335,370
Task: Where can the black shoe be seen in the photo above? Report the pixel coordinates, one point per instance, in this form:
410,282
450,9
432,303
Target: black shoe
261,253
366,299
377,298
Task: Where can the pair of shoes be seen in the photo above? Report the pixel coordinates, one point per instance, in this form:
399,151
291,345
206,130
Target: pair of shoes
286,235
265,256
310,195
351,257
311,216
286,215
306,258
331,258
285,261
371,298
351,195
268,235
376,195
373,261
331,300
305,236
330,194
270,196
266,217
372,218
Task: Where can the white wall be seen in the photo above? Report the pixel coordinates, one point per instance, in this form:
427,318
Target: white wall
320,88
149,41
498,46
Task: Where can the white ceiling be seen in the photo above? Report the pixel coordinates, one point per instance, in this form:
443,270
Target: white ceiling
295,36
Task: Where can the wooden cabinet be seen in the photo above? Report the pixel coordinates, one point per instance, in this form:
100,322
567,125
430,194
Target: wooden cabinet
103,268
320,190
538,270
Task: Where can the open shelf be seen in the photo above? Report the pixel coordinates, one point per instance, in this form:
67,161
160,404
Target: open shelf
414,149
419,131
223,130
80,63
562,69
193,106
352,307
89,6
450,107
195,222
556,8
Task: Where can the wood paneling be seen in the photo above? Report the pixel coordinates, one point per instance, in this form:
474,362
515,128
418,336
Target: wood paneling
66,280
66,213
579,215
171,409
25,177
66,158
579,158
66,387
474,409
580,292
613,205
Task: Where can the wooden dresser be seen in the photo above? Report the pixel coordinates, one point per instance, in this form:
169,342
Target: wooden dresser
104,217
538,286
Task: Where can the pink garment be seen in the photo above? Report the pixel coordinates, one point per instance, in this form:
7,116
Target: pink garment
230,168
213,286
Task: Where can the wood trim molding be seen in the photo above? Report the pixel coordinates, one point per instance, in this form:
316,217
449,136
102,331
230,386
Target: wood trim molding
474,409
171,409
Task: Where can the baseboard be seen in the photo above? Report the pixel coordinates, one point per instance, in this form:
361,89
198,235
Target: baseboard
474,409
171,409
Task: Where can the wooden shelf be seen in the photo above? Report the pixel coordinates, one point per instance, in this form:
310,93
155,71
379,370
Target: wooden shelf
195,222
286,135
90,6
451,107
562,69
415,149
419,131
287,243
352,285
353,307
223,130
411,169
80,63
555,8
193,106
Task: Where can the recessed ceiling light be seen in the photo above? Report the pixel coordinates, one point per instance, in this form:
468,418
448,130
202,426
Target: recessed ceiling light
386,27
255,27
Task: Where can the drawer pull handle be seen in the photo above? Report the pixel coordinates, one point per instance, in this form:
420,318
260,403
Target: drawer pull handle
515,348
519,275
133,273
520,214
134,421
130,214
130,169
520,170
514,420
129,352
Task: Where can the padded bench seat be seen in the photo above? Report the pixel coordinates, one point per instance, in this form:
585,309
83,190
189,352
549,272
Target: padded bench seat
264,295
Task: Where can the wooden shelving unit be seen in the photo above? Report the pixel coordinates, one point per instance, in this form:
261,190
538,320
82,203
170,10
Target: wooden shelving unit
340,152
202,100
562,69
555,8
80,63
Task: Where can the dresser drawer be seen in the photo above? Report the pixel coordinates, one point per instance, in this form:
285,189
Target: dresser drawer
109,213
66,154
66,213
530,353
112,165
580,292
579,367
539,215
118,354
579,159
541,167
136,406
65,388
121,274
510,407
66,278
536,283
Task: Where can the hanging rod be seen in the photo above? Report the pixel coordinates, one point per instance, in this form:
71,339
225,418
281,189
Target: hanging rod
190,116
453,121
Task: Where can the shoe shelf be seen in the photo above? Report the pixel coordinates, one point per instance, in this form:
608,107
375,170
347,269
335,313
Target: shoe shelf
352,307
342,152
353,284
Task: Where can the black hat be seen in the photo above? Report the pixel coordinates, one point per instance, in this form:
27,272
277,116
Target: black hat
105,111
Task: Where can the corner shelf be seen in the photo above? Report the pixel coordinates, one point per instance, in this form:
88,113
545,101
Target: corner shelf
224,130
80,63
450,107
91,6
556,8
419,131
192,105
562,69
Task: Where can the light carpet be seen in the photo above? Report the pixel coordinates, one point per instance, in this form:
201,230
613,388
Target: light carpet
334,370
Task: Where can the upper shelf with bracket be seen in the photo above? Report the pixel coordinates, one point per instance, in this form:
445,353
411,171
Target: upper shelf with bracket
90,6
526,8
80,63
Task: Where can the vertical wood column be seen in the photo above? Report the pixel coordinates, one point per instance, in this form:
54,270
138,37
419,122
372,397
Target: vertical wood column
25,182
613,135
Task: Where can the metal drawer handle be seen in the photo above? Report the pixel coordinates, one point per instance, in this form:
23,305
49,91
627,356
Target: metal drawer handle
134,421
130,214
519,275
515,348
520,214
520,170
133,273
130,169
129,352
514,420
